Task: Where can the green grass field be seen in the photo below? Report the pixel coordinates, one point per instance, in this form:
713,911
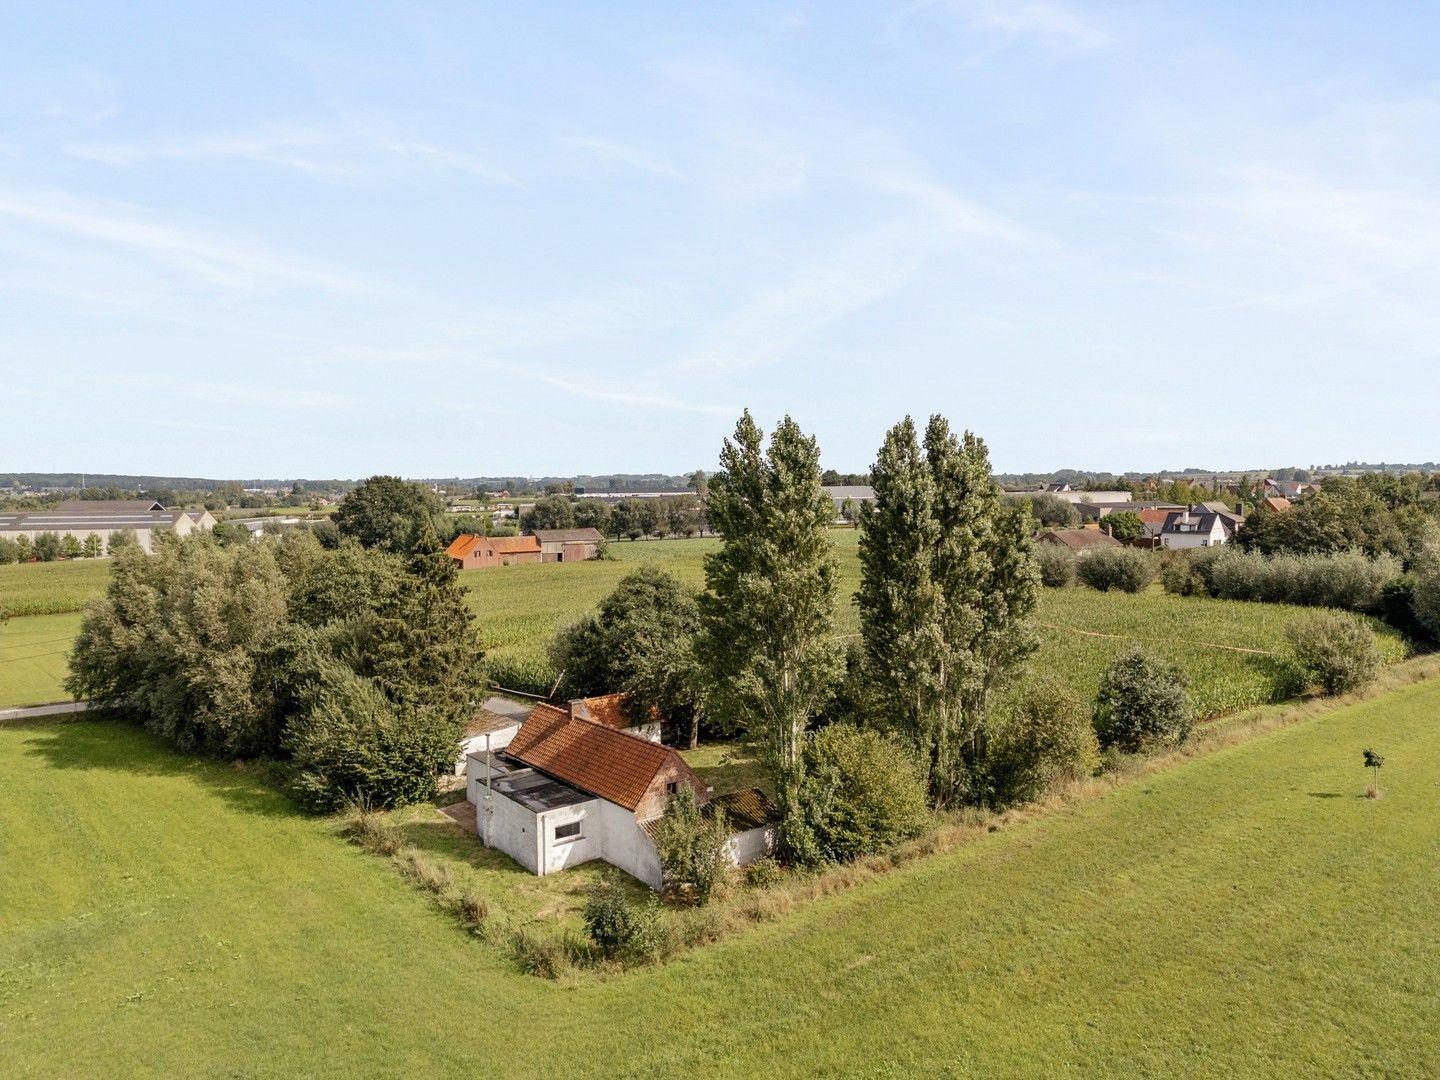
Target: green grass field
520,607
1245,913
32,658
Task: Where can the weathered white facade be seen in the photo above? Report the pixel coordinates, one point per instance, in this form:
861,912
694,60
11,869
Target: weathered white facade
566,790
546,826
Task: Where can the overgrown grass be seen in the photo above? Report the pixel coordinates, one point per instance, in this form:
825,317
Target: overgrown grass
52,588
1245,912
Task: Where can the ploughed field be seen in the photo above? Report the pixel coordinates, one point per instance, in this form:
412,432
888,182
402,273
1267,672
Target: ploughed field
1232,651
1242,913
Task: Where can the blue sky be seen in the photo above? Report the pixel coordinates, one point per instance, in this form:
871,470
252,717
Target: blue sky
331,240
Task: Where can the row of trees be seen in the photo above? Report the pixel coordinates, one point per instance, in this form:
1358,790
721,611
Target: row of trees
49,546
665,515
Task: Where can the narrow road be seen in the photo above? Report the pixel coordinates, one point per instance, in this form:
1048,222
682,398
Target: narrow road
36,711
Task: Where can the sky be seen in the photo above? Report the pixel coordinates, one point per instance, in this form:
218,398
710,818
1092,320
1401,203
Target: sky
280,240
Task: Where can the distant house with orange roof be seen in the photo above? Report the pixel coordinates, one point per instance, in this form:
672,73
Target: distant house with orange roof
472,552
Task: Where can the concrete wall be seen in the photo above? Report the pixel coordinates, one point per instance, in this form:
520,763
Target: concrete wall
627,846
608,831
511,828
746,847
590,844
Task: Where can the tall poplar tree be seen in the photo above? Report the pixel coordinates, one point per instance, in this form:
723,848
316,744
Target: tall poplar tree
948,588
766,616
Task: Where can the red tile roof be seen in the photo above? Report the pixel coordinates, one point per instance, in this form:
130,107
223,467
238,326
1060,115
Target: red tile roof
461,545
611,710
498,545
611,764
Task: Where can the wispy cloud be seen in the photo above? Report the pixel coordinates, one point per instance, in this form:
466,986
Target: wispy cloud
626,155
1056,27
618,389
851,275
195,251
337,152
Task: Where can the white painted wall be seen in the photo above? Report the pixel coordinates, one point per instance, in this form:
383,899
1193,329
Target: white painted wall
511,828
559,854
1184,541
627,846
745,847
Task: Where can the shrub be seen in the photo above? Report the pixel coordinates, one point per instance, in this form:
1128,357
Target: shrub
1425,596
1056,564
433,877
1047,737
620,929
545,955
1142,704
691,844
1126,569
1336,650
370,830
472,909
47,547
1180,576
9,551
762,873
863,792
1051,511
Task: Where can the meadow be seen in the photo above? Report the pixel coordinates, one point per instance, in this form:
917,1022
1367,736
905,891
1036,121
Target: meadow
1243,913
1232,651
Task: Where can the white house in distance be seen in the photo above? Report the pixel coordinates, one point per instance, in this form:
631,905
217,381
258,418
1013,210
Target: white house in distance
142,518
1199,527
565,790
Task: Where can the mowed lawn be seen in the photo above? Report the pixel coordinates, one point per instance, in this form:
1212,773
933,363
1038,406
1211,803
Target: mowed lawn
519,608
33,653
1245,913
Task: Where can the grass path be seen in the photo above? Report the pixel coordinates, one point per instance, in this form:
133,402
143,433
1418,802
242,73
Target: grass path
1245,913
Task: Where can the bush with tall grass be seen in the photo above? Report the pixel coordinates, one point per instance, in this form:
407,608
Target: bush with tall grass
1056,564
1126,569
1336,650
1046,738
1142,704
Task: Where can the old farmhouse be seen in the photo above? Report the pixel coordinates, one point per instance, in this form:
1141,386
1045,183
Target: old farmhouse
473,552
566,790
141,518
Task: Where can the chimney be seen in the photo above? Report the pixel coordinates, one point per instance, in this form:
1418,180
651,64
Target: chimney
1239,509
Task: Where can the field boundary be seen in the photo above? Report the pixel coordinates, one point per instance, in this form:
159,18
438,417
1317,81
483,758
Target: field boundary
1133,637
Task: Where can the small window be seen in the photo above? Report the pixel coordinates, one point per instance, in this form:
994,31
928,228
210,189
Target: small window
567,831
672,787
